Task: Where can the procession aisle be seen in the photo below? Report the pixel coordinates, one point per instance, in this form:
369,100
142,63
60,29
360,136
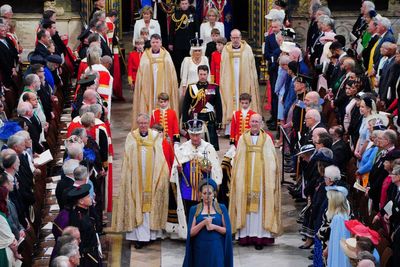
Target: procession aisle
170,253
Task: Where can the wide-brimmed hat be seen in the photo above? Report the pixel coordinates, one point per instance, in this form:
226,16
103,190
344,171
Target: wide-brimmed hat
275,14
358,229
305,149
349,247
338,188
287,46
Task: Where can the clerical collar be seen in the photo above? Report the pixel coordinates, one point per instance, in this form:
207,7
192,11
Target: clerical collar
144,134
236,47
255,134
155,52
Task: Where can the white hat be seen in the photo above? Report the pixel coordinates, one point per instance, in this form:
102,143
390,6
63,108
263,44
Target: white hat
287,46
275,14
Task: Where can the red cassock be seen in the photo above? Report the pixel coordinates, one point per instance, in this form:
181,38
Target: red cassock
117,82
169,122
239,125
215,67
168,153
133,66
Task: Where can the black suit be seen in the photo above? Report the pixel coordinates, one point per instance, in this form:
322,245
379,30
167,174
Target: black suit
341,154
388,37
210,48
25,180
389,76
8,60
59,44
104,47
34,129
41,50
63,186
307,137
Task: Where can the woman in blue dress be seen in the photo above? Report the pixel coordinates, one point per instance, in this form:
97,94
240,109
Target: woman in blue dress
209,241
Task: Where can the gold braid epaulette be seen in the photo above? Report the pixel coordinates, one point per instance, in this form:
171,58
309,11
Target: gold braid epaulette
183,20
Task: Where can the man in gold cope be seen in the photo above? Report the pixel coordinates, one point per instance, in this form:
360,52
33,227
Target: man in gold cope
141,207
255,196
238,75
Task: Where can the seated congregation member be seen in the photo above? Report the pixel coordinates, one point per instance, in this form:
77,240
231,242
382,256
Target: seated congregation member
255,213
141,207
195,159
210,229
80,218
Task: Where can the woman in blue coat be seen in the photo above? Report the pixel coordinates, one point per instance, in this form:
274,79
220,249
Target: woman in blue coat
209,241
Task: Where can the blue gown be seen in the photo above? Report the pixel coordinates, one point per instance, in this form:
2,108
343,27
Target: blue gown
209,248
336,256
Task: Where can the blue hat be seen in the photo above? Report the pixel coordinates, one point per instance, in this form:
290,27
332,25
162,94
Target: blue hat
319,156
9,128
54,59
338,188
210,182
36,59
306,148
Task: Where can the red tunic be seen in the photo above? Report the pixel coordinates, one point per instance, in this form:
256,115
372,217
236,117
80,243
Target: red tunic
133,66
169,122
239,125
215,67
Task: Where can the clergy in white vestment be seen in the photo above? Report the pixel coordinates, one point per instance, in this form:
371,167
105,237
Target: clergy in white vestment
141,206
255,195
238,75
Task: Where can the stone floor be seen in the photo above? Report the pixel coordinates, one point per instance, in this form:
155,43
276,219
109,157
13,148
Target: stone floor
170,253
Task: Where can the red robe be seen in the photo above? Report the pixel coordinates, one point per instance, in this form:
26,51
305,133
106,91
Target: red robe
169,122
95,133
117,82
133,66
215,66
239,125
75,123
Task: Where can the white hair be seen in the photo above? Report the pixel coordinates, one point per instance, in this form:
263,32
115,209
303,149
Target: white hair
369,5
69,166
74,150
313,113
385,22
69,250
325,10
60,261
5,9
332,172
326,20
80,173
15,140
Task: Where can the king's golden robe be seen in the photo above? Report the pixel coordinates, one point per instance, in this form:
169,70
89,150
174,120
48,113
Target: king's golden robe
137,194
243,196
145,95
248,79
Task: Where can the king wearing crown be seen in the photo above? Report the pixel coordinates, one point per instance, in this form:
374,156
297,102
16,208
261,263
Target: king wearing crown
195,160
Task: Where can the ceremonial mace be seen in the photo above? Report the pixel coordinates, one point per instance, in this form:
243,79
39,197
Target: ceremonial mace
205,164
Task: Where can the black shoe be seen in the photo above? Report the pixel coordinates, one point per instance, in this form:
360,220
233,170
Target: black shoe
258,247
311,257
293,176
306,247
138,245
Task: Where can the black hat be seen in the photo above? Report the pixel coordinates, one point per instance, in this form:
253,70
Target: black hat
392,155
84,34
281,3
78,192
36,59
301,78
46,23
372,13
54,59
87,80
293,66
